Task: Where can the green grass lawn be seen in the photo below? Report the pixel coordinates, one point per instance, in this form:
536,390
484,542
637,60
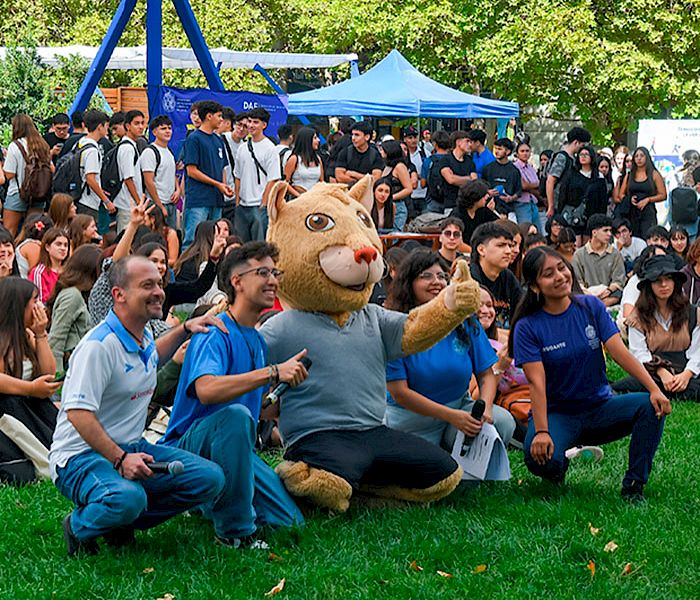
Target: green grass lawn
533,540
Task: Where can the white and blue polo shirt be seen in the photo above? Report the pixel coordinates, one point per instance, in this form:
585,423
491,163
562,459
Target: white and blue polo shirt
111,375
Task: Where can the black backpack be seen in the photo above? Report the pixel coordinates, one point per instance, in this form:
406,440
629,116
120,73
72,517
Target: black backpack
66,177
436,183
543,180
684,205
110,179
283,153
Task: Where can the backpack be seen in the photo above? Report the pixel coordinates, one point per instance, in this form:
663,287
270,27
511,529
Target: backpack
435,181
429,222
37,180
283,153
66,178
421,150
684,205
517,402
110,179
543,180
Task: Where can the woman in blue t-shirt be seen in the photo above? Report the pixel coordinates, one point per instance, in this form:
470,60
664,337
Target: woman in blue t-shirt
429,391
557,340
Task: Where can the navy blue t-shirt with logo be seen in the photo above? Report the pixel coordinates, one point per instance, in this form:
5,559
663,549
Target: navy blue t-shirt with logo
569,347
206,152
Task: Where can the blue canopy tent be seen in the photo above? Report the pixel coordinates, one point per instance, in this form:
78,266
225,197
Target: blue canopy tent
395,88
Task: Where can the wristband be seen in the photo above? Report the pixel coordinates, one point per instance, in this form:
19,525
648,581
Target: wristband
542,431
118,463
270,374
41,337
184,327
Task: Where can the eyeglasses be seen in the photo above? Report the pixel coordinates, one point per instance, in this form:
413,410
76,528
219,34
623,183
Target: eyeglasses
452,234
428,276
264,272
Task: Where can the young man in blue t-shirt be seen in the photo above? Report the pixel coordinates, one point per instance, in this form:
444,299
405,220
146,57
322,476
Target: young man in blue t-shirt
218,400
205,162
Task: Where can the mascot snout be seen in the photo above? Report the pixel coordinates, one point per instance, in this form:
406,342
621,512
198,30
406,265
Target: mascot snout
350,268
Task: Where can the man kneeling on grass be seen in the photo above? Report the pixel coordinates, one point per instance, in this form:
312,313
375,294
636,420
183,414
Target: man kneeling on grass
98,458
218,400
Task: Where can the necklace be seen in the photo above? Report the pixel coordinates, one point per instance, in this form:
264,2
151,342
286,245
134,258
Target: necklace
250,349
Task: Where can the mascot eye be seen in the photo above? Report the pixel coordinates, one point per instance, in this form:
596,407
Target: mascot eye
319,222
364,218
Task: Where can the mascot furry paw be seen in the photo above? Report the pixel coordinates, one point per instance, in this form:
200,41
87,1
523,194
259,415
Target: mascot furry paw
332,422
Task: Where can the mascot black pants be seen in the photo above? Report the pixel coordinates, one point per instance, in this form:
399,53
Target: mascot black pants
376,457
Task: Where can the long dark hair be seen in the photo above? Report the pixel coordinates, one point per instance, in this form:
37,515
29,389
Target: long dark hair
649,168
23,127
77,229
647,305
80,271
400,294
149,248
531,302
393,153
49,238
389,211
304,146
200,247
492,331
676,229
15,294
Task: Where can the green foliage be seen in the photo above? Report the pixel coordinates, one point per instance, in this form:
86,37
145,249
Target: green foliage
611,63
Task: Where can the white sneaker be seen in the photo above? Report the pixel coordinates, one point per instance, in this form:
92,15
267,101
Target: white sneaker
591,453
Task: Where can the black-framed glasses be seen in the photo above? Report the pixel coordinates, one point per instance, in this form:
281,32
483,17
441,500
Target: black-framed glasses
264,272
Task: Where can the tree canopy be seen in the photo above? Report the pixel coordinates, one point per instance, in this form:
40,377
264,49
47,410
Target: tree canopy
610,63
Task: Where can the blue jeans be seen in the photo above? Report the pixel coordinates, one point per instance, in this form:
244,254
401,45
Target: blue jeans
104,219
616,418
194,216
253,494
400,215
105,500
249,223
171,219
526,212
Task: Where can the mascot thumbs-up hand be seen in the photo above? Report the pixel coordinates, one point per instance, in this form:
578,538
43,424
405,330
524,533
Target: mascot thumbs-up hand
463,295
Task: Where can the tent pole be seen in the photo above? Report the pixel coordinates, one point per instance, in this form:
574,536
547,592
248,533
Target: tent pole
154,54
104,53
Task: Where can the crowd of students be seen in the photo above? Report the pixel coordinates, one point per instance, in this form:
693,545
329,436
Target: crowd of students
99,278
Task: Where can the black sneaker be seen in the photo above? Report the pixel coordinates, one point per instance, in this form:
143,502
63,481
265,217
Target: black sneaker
634,492
249,541
76,546
120,537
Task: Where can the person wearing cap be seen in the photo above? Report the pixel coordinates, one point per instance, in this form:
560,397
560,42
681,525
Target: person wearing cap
663,332
417,154
426,142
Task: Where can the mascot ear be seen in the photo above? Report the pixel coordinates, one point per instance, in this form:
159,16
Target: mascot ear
362,192
276,201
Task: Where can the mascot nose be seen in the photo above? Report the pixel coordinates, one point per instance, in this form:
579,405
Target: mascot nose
367,254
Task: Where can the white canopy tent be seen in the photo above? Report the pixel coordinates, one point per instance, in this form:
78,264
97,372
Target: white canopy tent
184,58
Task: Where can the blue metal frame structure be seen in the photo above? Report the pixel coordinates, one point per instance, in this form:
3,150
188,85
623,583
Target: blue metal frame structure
154,50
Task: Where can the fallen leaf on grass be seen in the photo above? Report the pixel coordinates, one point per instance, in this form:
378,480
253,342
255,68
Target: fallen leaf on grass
444,574
148,570
593,530
520,481
416,567
167,597
480,569
591,567
627,569
610,546
277,589
273,556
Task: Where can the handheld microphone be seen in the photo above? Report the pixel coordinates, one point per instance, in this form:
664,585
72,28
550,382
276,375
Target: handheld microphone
169,468
274,396
477,412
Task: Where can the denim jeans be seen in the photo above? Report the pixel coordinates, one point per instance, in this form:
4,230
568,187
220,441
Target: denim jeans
526,212
253,494
171,219
249,223
400,215
104,220
616,418
194,216
440,432
105,500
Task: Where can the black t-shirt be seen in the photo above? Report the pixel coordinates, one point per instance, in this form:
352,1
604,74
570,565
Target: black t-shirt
481,216
507,176
461,168
52,139
340,146
72,140
506,290
362,162
446,264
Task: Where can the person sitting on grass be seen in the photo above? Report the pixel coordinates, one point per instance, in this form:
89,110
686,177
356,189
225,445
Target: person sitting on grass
429,391
599,267
450,241
557,339
218,401
27,370
99,459
663,332
491,253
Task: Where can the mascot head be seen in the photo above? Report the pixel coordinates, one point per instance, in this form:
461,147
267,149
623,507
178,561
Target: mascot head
329,249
